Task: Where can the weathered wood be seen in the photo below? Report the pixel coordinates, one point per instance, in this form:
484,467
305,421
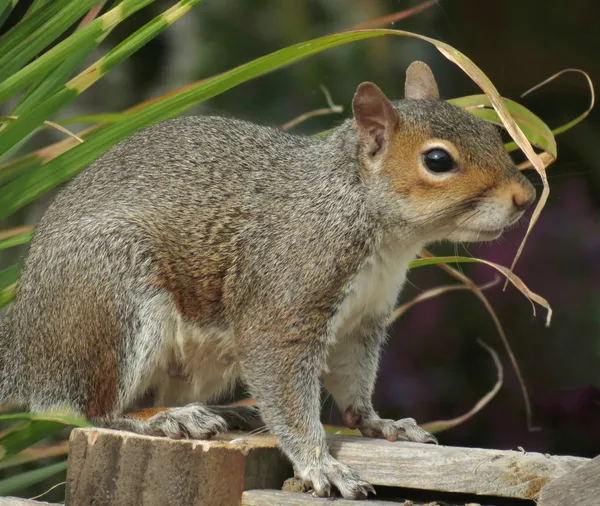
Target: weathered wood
279,498
580,487
500,473
17,501
118,468
112,467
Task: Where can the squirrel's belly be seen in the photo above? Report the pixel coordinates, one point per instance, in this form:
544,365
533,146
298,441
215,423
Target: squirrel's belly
374,290
200,364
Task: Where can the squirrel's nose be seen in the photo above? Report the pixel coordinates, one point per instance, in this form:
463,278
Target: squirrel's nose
523,194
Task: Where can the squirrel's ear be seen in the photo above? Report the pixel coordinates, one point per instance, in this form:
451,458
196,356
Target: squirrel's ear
375,116
420,83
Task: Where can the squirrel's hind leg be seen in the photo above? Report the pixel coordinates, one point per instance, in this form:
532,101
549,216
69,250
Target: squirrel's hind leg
194,421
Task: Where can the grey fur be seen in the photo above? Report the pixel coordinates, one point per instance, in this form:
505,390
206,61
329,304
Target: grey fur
225,228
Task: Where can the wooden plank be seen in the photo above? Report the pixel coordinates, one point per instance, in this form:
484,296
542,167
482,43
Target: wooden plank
117,468
500,473
17,501
112,467
580,487
272,497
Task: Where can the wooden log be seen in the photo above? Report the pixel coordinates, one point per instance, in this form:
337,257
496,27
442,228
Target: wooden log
500,473
272,497
117,468
580,487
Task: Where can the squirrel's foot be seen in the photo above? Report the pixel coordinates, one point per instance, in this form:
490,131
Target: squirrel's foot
245,418
406,429
328,472
194,421
373,426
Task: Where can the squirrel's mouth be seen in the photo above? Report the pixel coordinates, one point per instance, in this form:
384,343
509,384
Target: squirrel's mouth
478,234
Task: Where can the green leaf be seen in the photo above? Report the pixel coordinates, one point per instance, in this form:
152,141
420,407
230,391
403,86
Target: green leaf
22,127
23,435
25,189
18,167
8,283
35,6
109,117
6,7
56,78
35,33
24,480
17,240
422,262
50,59
64,418
36,453
538,133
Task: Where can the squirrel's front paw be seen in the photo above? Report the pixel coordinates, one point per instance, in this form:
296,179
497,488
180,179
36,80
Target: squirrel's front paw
331,472
406,429
193,421
370,425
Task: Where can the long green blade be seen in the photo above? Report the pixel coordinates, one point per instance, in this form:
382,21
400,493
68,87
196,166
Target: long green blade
24,480
17,240
24,435
64,418
536,130
25,189
14,134
19,167
6,7
57,77
24,46
95,30
8,283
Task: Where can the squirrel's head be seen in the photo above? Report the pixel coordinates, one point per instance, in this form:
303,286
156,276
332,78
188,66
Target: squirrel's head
448,169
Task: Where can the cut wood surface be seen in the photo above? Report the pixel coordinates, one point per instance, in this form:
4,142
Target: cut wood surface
501,473
579,488
115,468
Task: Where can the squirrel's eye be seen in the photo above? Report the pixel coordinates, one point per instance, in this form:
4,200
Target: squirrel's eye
438,160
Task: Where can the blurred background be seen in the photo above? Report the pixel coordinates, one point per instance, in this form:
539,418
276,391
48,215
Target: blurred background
433,367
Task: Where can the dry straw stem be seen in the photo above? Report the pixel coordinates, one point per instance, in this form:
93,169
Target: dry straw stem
441,425
92,14
545,156
395,17
330,109
479,294
430,294
541,169
5,119
48,491
13,232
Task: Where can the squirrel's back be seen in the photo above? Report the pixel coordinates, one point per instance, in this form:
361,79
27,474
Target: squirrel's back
195,212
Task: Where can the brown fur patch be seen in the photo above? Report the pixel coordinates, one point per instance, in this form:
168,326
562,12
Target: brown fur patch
402,164
193,269
101,365
145,414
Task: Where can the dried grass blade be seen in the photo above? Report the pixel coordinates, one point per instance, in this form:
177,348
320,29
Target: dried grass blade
395,17
441,425
432,293
480,295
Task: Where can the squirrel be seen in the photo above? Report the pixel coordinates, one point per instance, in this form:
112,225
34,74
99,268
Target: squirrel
203,251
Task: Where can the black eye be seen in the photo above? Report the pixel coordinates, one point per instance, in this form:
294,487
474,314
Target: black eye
438,160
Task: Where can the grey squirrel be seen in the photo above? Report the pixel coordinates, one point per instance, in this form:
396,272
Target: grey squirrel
203,250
